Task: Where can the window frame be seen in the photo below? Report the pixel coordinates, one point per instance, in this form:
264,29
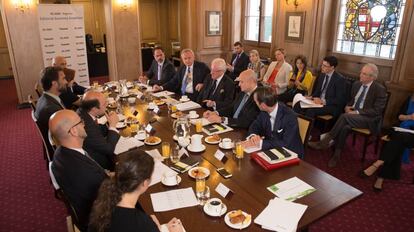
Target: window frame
255,43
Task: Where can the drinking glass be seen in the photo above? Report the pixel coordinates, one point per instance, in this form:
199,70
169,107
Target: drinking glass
202,191
199,126
238,149
166,149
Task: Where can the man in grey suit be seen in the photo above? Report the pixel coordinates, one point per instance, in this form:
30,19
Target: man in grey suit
53,83
161,70
102,139
364,110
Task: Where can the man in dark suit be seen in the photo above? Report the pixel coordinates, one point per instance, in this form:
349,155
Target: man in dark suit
53,83
276,125
161,70
218,90
102,139
239,61
76,173
364,110
330,91
190,77
243,110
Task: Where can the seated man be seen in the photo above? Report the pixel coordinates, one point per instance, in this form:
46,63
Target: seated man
70,97
218,89
60,61
363,111
77,174
330,91
53,83
243,110
189,78
161,70
276,125
101,140
239,61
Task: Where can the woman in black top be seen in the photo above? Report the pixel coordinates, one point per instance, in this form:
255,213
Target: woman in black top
116,207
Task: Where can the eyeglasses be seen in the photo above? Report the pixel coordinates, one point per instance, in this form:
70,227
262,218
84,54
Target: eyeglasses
325,65
80,122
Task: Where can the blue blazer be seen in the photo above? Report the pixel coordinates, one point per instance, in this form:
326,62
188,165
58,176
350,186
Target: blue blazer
285,132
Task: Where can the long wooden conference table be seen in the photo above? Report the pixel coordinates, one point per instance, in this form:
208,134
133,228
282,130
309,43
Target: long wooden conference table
248,183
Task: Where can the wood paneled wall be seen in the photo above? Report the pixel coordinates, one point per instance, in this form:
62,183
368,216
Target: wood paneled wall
94,18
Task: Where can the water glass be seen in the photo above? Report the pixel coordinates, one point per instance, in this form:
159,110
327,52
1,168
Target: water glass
166,149
238,147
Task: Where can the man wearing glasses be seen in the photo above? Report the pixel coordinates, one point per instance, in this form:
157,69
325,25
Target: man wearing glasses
76,173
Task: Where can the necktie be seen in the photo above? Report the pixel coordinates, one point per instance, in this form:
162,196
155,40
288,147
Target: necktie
325,83
243,101
159,71
212,89
235,59
186,79
360,98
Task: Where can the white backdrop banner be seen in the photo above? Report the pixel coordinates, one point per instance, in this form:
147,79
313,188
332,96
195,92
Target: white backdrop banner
62,33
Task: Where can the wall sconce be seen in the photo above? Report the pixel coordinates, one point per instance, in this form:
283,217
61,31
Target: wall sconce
125,4
294,2
22,5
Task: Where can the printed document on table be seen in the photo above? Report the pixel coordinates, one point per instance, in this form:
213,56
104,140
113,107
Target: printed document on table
190,105
159,170
304,102
125,144
204,121
400,129
162,94
291,189
174,199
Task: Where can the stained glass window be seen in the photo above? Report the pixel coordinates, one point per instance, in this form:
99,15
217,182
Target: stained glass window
370,27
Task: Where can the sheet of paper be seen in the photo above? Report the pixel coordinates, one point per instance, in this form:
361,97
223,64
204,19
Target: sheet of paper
174,199
159,170
291,189
304,102
190,105
280,215
252,149
155,154
124,144
162,94
403,130
204,121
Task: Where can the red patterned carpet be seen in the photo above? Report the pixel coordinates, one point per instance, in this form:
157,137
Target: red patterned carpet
27,202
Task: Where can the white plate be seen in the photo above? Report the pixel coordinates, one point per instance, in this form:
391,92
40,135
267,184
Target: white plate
120,125
214,214
205,170
217,142
193,117
152,144
173,115
202,148
141,137
226,148
184,100
178,181
238,225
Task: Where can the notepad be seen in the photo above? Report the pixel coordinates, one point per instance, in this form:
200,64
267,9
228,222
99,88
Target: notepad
174,199
124,144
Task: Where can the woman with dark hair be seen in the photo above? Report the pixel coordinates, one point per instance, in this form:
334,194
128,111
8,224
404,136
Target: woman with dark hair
117,208
300,80
277,75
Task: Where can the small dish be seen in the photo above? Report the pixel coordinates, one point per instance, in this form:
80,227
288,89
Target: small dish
184,100
242,225
200,149
193,116
214,214
178,114
212,139
178,182
200,172
226,148
141,136
152,140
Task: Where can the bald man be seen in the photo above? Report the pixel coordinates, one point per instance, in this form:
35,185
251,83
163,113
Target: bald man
59,61
218,89
243,110
78,175
102,139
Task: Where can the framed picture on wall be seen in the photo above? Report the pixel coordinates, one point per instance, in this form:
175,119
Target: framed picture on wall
213,19
295,26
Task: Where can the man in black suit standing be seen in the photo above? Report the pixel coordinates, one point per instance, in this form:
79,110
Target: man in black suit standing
330,91
364,110
161,70
239,61
102,139
243,110
78,175
189,78
276,125
218,90
53,83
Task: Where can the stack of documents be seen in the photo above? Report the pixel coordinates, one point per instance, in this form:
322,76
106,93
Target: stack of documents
174,199
162,94
190,105
280,215
125,144
291,189
304,102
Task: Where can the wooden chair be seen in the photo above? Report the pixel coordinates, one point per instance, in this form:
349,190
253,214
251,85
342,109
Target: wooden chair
31,102
367,134
46,155
38,89
305,127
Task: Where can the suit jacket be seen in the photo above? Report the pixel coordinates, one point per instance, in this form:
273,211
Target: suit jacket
167,73
68,98
374,104
285,132
223,95
335,95
200,71
247,114
80,178
45,107
100,141
240,65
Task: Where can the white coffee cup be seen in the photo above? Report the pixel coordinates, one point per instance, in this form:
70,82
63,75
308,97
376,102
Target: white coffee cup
170,178
184,98
193,114
227,143
215,206
141,134
131,100
196,141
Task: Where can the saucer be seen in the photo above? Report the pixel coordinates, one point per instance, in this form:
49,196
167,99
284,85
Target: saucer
184,100
226,148
193,117
178,182
141,137
200,149
214,214
237,226
120,125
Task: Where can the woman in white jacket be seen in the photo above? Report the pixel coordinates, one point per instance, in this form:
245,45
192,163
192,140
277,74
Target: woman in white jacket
278,73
